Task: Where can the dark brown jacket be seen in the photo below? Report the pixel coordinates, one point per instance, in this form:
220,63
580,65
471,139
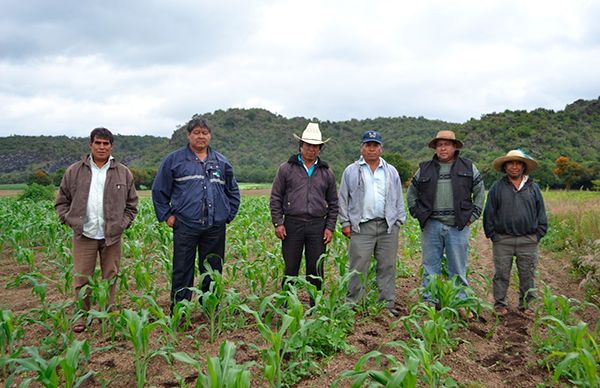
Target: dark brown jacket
120,198
296,194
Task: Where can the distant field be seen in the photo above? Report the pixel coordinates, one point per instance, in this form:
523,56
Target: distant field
10,190
13,186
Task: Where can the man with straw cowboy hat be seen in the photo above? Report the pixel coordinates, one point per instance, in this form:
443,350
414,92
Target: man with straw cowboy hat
304,206
515,220
446,195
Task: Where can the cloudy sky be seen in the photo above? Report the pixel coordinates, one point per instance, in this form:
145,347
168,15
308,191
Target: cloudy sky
145,67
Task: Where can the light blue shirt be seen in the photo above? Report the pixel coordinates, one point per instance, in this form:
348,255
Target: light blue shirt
374,204
310,170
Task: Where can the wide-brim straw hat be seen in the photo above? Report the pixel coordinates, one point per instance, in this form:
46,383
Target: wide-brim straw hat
312,135
515,155
446,135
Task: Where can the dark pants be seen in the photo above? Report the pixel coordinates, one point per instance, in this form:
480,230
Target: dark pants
304,235
210,244
526,251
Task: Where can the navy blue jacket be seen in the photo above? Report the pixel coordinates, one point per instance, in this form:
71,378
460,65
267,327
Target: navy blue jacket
191,189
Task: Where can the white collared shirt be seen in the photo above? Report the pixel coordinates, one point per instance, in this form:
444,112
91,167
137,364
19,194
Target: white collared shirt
374,203
525,178
94,215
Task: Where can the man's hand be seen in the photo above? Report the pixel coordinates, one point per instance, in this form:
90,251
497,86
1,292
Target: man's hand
171,221
347,231
280,232
327,235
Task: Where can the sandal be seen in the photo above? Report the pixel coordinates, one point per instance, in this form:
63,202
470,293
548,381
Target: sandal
79,327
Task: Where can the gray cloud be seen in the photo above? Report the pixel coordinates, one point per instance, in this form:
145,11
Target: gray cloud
145,67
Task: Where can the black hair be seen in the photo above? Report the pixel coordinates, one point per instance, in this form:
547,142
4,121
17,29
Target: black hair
197,123
101,133
300,142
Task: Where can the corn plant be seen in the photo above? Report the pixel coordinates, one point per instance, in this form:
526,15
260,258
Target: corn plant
447,294
572,352
137,328
397,375
212,299
288,339
222,371
418,367
46,370
10,334
436,331
38,287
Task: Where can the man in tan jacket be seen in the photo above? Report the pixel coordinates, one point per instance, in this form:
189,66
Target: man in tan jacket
97,199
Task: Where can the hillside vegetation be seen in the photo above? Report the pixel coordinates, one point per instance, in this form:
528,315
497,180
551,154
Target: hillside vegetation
256,141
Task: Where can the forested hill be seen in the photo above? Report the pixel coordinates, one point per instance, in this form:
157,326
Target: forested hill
257,141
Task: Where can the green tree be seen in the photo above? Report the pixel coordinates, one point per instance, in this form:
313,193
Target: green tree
404,167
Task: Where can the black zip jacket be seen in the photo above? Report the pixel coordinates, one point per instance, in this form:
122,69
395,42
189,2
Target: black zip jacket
296,194
512,212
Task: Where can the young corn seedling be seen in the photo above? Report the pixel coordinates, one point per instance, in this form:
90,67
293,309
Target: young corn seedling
396,375
433,372
222,371
434,328
212,299
69,364
11,332
136,327
575,349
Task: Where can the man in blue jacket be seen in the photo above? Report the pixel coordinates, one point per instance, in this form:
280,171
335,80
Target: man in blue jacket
515,219
196,194
371,212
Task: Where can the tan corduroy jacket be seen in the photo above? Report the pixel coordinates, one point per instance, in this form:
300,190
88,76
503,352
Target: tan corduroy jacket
120,198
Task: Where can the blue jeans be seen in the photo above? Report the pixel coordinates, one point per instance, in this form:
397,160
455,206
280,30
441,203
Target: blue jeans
437,237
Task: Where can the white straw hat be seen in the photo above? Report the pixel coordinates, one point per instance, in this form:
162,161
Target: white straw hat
312,135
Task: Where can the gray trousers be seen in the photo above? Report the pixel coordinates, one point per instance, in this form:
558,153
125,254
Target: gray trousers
373,240
526,250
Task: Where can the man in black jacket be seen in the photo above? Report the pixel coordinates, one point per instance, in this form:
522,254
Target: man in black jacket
304,206
515,220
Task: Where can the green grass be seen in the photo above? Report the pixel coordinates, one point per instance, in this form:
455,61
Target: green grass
13,186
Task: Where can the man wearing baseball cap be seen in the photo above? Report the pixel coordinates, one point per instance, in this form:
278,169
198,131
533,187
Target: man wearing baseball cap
371,212
446,195
515,220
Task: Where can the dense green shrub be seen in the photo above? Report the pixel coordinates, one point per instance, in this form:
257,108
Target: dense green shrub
36,192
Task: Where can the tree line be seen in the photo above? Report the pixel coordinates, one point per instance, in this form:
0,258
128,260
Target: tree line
566,144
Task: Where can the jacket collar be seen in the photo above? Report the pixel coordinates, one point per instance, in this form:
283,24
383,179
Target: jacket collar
294,160
192,156
86,160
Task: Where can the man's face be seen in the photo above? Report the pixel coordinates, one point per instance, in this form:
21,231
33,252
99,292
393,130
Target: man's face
199,138
371,151
101,149
445,149
514,169
309,152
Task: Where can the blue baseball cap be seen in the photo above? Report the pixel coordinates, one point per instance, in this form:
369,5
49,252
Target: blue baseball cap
371,136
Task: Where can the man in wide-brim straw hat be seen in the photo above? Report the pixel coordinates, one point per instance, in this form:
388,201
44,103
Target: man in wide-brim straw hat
515,220
304,206
446,195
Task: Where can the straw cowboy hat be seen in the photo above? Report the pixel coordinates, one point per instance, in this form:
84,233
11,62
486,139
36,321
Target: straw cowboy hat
515,155
446,135
312,135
